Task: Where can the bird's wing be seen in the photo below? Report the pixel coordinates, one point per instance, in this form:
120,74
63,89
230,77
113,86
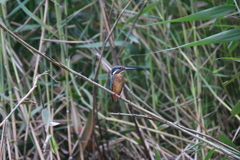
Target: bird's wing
114,98
111,82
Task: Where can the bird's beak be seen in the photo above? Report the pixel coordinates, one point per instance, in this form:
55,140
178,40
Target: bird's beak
127,68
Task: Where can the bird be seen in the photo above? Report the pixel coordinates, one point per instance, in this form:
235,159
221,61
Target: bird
117,80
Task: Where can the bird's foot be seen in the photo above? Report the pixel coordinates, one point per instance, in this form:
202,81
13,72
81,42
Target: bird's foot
115,94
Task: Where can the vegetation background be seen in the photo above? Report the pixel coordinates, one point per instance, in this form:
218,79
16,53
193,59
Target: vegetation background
187,71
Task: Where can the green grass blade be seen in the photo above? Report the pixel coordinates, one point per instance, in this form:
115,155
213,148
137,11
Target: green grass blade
225,139
236,109
14,11
157,154
226,36
232,79
207,14
29,13
53,145
230,58
209,155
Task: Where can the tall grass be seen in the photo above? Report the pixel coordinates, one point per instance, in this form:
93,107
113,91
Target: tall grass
182,99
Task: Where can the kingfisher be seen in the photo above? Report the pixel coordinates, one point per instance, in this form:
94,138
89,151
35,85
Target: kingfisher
117,80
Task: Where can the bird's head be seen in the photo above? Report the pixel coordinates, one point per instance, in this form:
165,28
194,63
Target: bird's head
119,69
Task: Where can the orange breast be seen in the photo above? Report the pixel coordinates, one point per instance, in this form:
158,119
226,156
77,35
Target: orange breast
117,87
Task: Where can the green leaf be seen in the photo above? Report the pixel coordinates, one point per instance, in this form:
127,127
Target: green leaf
233,78
138,141
53,144
2,95
232,46
234,59
34,17
207,14
156,154
209,155
36,110
46,117
16,9
133,38
195,145
230,2
225,157
226,36
223,138
236,109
